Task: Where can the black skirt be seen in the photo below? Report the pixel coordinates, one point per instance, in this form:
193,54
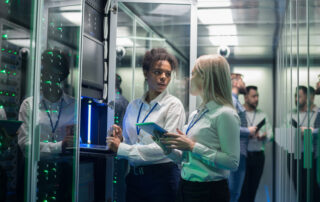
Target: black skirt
214,191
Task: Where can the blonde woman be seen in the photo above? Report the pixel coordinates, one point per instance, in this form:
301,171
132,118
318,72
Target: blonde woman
209,147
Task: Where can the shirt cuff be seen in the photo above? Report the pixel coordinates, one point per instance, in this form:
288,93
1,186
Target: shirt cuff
123,150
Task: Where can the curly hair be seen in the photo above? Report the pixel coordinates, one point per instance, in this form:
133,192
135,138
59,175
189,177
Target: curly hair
157,54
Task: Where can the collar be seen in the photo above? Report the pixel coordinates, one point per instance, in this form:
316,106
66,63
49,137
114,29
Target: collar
212,105
159,99
66,99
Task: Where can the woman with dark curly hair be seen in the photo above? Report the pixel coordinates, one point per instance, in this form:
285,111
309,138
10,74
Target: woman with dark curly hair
152,176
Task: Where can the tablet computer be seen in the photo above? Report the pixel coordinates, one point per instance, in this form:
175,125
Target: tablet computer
260,124
294,123
156,131
152,128
10,126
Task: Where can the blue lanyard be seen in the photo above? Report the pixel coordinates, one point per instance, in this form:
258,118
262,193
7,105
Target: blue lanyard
193,123
138,129
53,128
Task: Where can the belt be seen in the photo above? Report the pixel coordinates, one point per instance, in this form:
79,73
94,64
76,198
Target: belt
150,169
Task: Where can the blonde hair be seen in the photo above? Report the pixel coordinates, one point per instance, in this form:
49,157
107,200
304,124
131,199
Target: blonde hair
215,73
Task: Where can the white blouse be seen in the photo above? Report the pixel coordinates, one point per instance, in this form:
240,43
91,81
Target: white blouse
168,112
217,147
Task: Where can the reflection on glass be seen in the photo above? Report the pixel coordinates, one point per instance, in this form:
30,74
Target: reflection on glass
15,31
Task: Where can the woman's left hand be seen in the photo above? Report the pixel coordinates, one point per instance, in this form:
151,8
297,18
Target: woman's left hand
178,141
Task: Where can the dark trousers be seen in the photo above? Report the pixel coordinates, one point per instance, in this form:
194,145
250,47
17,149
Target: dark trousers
255,164
153,183
215,191
303,178
3,184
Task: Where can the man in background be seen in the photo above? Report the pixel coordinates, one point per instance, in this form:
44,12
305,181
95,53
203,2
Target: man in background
255,154
237,177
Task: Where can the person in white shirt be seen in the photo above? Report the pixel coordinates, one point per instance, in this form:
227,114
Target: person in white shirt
255,155
153,176
56,123
209,146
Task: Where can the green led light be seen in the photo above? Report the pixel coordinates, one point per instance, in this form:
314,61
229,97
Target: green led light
13,94
47,111
46,171
3,71
3,49
54,169
55,111
7,1
15,53
10,51
58,84
118,93
1,92
46,141
114,181
5,36
54,198
1,106
7,93
14,74
50,53
45,201
49,82
115,178
8,72
60,28
55,141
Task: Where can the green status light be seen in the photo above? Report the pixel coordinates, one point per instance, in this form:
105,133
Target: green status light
1,106
2,49
48,82
5,36
3,71
7,1
14,74
46,171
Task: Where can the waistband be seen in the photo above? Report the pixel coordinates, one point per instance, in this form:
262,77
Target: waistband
151,169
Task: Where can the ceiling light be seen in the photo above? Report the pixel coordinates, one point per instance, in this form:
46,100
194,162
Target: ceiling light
213,4
222,30
224,40
215,16
73,17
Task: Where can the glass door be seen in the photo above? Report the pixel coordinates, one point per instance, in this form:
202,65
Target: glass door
48,136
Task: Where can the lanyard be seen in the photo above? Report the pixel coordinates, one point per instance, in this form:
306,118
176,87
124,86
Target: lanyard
254,117
138,129
193,123
53,128
304,118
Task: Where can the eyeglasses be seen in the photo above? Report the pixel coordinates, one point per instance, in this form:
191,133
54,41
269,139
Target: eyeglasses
159,72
